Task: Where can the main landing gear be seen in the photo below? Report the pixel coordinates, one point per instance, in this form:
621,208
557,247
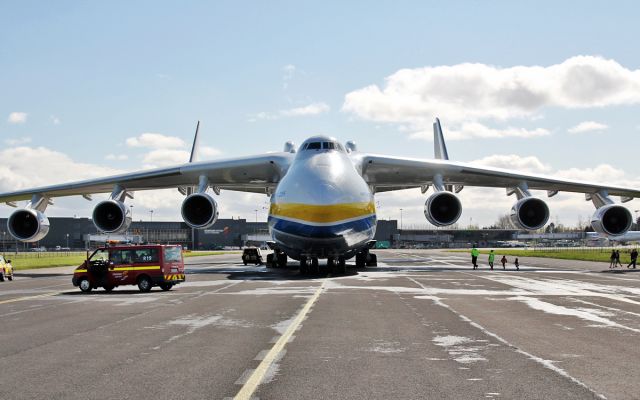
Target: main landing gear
277,259
366,259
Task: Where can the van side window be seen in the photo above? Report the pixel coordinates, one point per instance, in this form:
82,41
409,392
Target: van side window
145,256
172,254
122,256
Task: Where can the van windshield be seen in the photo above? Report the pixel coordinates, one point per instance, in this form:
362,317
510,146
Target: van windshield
172,253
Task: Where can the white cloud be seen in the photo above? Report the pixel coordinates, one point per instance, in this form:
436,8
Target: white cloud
289,71
17,117
311,109
469,130
529,164
55,120
116,157
588,126
475,92
165,157
207,152
17,141
155,141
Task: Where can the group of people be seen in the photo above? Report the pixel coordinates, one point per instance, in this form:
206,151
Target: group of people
492,256
615,259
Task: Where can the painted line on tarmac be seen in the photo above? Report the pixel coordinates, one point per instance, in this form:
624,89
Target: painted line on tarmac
30,297
258,375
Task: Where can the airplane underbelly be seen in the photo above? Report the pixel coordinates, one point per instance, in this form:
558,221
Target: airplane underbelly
322,231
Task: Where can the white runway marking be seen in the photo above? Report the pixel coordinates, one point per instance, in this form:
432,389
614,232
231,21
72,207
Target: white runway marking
545,363
272,356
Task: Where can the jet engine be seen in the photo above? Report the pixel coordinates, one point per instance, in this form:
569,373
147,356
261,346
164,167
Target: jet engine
28,225
530,213
111,216
199,210
442,208
612,220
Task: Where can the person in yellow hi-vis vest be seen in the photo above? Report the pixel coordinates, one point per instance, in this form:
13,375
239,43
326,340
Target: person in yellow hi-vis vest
474,257
492,257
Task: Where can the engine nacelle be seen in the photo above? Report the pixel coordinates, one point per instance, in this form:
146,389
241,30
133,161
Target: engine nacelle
199,210
28,225
612,220
442,208
111,216
530,213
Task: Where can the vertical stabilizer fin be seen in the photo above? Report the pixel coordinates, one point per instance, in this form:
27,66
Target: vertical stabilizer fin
194,148
439,147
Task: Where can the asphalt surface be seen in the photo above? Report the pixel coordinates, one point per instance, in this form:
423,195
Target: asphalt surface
421,325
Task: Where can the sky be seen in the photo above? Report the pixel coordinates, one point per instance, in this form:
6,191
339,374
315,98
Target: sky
89,89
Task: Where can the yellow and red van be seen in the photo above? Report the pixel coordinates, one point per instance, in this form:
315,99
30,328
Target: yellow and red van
145,266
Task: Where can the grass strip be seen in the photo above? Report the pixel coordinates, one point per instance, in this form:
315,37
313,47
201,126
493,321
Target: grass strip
23,261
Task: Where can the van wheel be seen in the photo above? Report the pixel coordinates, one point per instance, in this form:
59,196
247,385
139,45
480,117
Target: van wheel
166,286
144,283
85,285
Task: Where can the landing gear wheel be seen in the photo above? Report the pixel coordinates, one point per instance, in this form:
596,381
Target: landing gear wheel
342,266
166,286
1,277
372,260
10,277
282,260
270,263
304,267
144,284
108,288
360,260
85,285
315,267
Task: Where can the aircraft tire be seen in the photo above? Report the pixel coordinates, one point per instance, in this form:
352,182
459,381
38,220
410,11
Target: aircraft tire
360,260
372,260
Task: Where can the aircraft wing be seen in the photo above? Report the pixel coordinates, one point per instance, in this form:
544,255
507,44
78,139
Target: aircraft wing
249,174
388,173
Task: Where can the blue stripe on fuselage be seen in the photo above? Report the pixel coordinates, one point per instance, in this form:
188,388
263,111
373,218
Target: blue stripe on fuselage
322,232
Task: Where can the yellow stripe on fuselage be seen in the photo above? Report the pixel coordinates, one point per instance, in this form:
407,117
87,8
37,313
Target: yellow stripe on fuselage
322,213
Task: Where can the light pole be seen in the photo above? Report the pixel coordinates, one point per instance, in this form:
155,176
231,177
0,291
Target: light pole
151,212
131,211
401,219
68,242
4,243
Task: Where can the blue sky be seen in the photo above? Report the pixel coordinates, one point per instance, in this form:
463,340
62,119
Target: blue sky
80,78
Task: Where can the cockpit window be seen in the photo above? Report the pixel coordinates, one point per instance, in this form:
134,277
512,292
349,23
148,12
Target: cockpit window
314,146
328,145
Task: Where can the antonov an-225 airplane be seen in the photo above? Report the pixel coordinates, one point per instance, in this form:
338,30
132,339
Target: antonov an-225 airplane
322,196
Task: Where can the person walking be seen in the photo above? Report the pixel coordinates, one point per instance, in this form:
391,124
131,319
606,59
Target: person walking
474,257
517,264
618,259
504,262
612,259
492,257
634,258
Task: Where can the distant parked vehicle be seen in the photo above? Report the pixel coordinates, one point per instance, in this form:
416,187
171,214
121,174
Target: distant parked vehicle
252,255
6,269
60,248
39,249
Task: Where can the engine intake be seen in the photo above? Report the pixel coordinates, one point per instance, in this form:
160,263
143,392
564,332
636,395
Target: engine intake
199,210
612,220
111,216
442,208
28,225
530,213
